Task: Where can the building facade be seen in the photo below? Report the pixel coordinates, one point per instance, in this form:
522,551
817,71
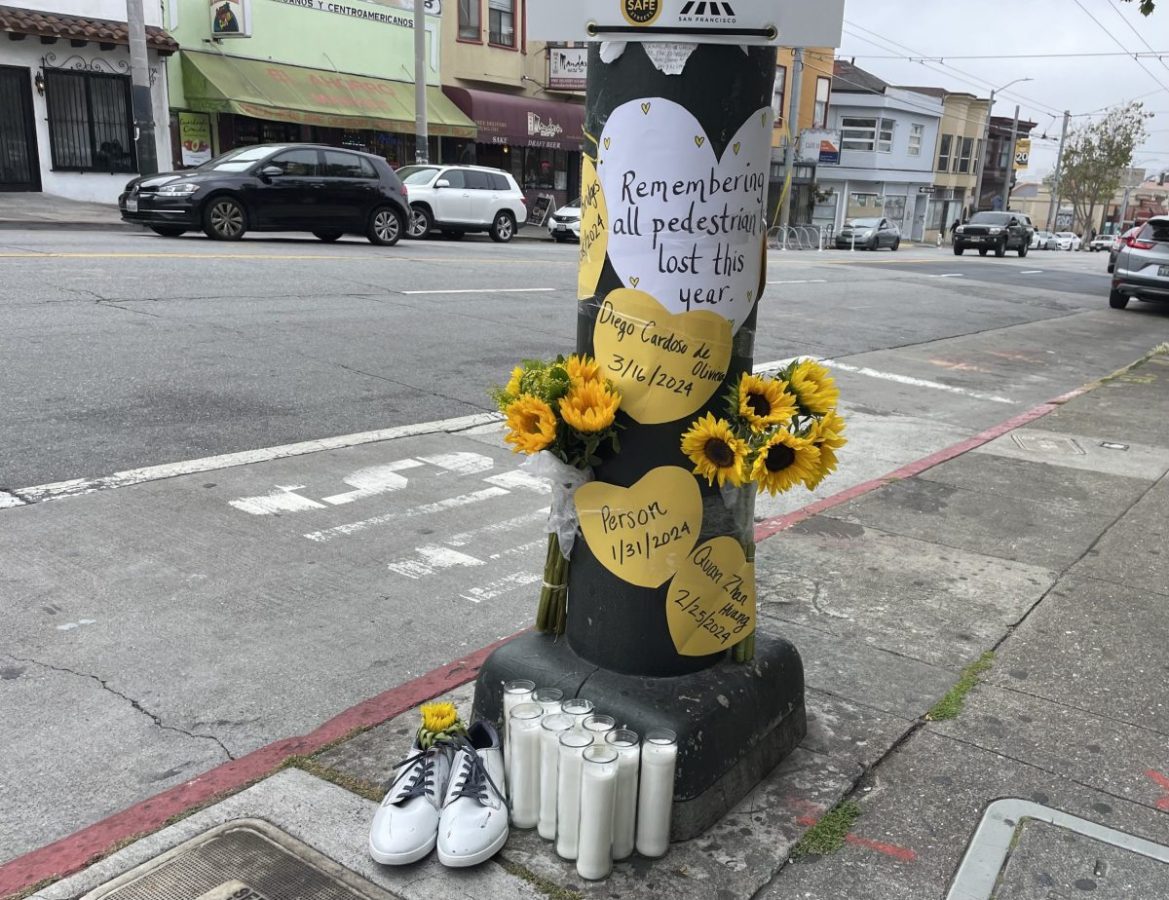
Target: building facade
66,123
811,119
1000,162
886,167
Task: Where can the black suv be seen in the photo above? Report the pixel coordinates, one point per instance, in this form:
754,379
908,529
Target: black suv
274,187
997,231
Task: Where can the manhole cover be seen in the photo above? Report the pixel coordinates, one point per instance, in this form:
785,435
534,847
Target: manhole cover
1024,851
242,860
1052,445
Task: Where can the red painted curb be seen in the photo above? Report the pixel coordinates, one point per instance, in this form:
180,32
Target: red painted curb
71,854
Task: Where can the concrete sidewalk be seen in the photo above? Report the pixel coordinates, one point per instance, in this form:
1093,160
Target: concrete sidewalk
988,626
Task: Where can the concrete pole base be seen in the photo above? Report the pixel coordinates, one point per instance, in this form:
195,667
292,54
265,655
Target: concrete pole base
734,722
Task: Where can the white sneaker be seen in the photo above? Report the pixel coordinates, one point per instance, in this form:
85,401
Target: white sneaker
473,824
405,826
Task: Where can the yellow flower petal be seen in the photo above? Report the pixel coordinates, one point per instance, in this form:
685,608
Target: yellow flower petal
764,403
589,407
715,451
783,462
814,389
531,424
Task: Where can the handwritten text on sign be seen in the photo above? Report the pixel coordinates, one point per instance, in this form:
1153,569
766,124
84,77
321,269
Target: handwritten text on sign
666,365
685,225
643,533
711,602
594,230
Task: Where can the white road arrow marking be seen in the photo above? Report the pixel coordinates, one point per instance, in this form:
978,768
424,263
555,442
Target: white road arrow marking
283,499
373,481
429,559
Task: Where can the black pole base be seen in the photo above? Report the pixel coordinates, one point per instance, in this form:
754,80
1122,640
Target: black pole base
734,722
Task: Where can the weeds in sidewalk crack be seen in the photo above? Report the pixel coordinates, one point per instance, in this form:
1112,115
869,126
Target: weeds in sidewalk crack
951,704
827,835
549,889
354,785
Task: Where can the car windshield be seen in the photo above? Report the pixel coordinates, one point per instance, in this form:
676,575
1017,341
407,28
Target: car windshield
990,218
417,174
865,223
1064,234
238,160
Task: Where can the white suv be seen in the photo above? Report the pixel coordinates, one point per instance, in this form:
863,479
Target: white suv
459,199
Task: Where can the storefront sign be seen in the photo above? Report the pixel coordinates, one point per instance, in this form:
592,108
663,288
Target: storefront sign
709,21
568,68
1022,153
355,10
195,138
819,146
230,18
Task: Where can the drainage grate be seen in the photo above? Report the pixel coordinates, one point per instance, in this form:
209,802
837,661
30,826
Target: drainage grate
242,860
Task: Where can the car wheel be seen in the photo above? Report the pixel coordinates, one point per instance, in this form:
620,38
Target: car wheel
503,228
1117,300
1000,249
958,250
421,221
1023,250
896,244
224,219
874,244
982,251
453,235
559,238
168,230
1111,267
327,236
385,226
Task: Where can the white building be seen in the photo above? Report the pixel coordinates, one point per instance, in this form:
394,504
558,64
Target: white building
66,125
887,141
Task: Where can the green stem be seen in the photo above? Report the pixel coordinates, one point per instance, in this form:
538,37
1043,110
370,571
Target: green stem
545,612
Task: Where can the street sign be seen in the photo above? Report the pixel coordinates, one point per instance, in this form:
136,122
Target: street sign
766,22
926,190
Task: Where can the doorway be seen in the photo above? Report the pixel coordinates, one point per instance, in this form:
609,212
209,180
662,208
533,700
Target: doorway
19,163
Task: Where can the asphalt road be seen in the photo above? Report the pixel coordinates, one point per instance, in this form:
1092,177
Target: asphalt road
153,630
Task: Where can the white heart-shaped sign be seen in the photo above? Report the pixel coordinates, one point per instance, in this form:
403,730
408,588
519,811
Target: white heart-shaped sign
687,225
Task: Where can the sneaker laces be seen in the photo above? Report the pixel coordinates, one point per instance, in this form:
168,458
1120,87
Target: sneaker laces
474,779
421,777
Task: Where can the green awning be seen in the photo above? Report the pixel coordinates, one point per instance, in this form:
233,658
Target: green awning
282,93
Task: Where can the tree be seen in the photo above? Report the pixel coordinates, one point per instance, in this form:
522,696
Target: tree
1096,156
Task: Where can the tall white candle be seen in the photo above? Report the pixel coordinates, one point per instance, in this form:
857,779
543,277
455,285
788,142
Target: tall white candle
514,693
625,742
524,750
549,698
655,799
598,790
551,727
598,727
572,746
577,707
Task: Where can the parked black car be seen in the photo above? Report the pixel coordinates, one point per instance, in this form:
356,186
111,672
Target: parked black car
274,187
997,231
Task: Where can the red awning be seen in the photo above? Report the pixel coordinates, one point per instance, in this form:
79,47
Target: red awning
521,121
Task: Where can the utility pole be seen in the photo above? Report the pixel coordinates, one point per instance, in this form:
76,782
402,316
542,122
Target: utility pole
982,156
793,129
1011,162
1053,208
421,151
144,146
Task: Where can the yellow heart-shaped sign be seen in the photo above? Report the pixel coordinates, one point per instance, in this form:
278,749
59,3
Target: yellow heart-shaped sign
710,605
666,365
594,230
643,533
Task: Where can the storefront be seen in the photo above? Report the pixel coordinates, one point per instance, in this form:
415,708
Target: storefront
537,141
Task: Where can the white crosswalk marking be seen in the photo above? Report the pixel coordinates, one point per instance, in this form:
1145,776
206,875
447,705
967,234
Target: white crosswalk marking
430,558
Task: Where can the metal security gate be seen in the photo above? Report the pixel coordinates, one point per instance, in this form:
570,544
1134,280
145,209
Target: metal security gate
19,163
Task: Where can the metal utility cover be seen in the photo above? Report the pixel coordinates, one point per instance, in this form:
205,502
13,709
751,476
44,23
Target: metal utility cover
242,860
1048,444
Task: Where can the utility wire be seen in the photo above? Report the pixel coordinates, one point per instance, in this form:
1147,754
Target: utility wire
1117,41
1140,37
1151,54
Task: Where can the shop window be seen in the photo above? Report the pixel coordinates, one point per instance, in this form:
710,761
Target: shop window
944,148
469,22
778,96
501,22
90,125
545,170
895,209
862,206
823,88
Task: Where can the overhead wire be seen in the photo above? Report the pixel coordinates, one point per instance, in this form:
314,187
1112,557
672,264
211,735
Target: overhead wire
1118,42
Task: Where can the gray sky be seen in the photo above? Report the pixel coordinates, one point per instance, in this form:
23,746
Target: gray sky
943,28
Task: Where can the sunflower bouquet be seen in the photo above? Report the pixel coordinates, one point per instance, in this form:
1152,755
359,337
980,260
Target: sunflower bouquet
779,432
562,413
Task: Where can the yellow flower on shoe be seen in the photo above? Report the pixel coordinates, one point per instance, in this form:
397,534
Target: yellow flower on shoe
783,462
589,407
827,436
438,717
531,424
582,370
763,402
715,451
813,387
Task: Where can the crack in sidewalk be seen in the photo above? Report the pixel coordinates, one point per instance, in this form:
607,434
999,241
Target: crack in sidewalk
133,703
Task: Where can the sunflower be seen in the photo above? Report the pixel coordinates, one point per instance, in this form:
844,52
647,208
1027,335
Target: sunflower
827,437
582,370
438,717
715,451
763,402
512,389
589,407
531,424
783,462
813,387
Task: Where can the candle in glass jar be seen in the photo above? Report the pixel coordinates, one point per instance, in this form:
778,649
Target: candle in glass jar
524,751
572,746
514,693
625,742
598,790
598,727
549,698
577,707
655,799
551,727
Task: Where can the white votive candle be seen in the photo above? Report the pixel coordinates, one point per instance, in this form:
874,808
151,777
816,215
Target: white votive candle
598,727
514,693
655,798
626,743
572,746
598,790
577,707
551,727
549,698
524,751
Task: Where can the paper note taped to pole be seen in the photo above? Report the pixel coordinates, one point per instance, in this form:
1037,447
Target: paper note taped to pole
711,602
